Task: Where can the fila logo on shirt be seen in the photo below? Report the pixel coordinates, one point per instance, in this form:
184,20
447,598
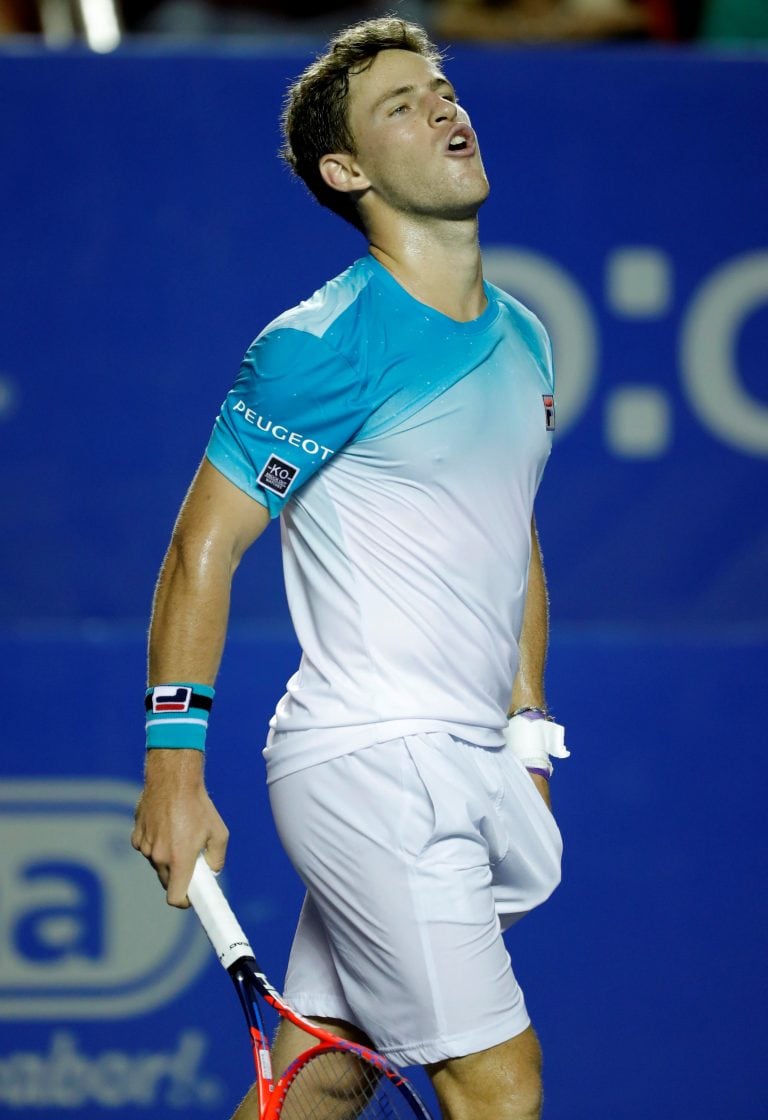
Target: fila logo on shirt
549,410
277,476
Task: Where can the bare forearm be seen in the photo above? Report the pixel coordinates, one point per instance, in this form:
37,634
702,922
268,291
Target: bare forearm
189,616
528,687
186,639
175,818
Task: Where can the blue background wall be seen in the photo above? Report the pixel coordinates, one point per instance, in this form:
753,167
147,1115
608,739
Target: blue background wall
147,234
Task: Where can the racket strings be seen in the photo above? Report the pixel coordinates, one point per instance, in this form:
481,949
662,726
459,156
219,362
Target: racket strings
336,1085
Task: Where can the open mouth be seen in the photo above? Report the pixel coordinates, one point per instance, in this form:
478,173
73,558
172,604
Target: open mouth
461,141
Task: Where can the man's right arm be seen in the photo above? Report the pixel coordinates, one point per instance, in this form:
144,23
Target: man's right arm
175,818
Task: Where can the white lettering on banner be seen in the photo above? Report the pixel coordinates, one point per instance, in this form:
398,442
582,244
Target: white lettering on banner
65,1077
279,431
709,353
85,932
638,418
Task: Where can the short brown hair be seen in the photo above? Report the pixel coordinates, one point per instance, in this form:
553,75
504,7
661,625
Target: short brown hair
315,115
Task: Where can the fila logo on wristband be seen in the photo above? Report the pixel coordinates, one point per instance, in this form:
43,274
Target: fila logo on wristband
171,700
177,715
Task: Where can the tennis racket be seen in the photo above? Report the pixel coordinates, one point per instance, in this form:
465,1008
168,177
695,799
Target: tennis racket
334,1079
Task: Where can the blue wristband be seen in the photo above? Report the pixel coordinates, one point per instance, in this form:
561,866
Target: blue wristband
177,715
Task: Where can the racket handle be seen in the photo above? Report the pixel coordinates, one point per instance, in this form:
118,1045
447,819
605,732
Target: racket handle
216,917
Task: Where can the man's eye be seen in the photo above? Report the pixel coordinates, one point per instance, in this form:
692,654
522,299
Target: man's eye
398,109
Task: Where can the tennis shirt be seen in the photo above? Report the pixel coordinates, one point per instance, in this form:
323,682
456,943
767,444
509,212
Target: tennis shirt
402,451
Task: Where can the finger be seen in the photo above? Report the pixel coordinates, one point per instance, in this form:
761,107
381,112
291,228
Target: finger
163,872
216,849
180,873
141,843
138,824
158,865
160,869
137,834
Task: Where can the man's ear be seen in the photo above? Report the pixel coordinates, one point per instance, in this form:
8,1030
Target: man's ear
341,172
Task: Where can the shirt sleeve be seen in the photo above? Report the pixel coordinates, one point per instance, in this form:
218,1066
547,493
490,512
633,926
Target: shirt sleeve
549,360
541,347
296,402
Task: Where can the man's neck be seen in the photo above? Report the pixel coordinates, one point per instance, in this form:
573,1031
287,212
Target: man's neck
438,262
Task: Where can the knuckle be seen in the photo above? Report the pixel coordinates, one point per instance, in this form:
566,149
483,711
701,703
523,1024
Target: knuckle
176,903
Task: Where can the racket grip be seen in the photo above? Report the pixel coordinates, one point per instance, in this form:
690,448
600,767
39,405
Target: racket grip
216,917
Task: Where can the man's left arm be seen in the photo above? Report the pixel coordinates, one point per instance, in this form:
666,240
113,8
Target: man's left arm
528,687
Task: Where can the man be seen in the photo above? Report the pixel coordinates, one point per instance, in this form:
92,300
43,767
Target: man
399,422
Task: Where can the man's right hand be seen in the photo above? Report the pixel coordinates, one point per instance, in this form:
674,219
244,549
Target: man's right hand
176,820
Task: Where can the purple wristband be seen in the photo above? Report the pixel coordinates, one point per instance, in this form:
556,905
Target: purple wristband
542,773
532,713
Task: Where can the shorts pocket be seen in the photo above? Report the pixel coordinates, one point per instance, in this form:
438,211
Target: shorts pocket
418,817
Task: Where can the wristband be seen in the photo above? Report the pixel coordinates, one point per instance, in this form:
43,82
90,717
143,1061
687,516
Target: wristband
533,713
534,741
540,771
177,715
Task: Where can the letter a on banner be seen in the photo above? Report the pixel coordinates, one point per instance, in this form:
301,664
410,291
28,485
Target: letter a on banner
52,932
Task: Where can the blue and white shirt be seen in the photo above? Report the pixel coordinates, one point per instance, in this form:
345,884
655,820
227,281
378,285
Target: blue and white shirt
402,451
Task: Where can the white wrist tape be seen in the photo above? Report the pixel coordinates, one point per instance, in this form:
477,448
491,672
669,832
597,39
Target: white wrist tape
534,741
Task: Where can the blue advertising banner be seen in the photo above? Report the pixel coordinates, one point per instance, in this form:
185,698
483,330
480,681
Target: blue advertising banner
154,233
148,234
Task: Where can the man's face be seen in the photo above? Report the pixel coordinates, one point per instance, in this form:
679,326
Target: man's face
414,142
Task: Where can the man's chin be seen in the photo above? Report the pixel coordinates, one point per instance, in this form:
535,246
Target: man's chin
468,207
457,209
462,212
447,208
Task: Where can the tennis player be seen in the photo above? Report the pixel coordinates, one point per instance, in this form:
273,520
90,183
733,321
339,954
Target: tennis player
398,422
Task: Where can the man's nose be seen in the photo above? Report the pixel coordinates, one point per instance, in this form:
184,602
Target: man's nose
441,110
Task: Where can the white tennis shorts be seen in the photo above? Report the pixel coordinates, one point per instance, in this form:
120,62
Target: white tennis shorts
416,854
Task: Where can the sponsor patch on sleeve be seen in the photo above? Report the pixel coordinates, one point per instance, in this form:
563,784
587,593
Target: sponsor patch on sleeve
549,411
278,476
